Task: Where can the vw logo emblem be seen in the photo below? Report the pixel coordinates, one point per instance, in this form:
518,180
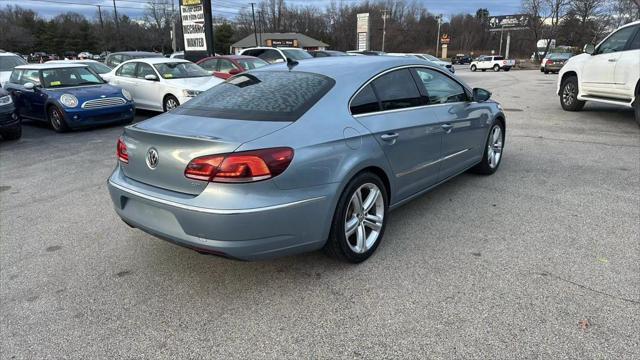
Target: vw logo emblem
152,158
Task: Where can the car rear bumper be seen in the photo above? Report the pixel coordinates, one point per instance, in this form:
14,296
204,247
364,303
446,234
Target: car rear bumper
77,118
554,67
296,223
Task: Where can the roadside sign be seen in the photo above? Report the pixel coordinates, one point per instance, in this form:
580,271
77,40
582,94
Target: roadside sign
362,29
509,22
445,39
195,16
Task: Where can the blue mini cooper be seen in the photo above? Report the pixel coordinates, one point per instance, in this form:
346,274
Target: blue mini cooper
68,96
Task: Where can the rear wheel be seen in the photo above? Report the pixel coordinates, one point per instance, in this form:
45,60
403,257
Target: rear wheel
492,151
483,70
360,219
496,68
56,119
506,68
569,94
473,68
170,102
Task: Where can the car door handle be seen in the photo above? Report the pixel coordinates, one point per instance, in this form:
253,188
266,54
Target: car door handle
390,137
613,60
447,127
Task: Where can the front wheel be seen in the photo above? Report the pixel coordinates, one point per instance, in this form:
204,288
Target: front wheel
473,68
637,108
56,119
360,219
507,68
492,151
170,102
496,68
569,95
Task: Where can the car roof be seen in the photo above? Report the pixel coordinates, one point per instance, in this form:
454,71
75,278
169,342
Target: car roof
275,48
46,66
158,60
135,53
71,61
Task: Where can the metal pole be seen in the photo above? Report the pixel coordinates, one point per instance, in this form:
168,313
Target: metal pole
260,19
255,30
501,32
115,15
384,27
438,37
100,16
506,54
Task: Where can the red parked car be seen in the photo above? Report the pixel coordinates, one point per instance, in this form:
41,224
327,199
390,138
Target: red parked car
225,66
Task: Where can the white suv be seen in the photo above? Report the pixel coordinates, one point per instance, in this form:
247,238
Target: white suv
608,73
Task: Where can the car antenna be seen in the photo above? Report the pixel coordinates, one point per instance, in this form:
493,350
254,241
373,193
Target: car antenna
291,63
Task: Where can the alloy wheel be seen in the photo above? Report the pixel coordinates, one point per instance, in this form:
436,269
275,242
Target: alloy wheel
364,218
56,119
569,93
494,150
171,104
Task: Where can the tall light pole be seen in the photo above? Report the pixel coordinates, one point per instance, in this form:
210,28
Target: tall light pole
438,38
255,30
384,27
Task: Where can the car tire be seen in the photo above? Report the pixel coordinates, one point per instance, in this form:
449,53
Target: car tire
541,69
637,108
57,120
169,103
493,149
127,121
496,68
13,133
569,94
361,241
483,70
546,72
506,69
473,68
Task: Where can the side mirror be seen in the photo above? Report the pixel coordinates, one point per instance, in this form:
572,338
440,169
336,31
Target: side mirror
589,49
151,77
29,86
234,71
481,95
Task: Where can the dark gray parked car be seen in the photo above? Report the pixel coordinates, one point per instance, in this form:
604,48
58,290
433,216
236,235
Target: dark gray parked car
278,161
116,58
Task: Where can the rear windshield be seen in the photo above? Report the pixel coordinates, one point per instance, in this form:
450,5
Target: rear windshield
261,96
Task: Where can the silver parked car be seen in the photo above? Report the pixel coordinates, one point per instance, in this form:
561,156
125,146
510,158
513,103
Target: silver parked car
292,158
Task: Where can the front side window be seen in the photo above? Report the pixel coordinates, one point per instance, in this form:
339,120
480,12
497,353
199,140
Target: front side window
226,66
635,43
180,70
617,41
7,63
209,65
397,90
72,76
127,70
15,76
365,102
144,70
440,88
261,96
271,56
115,60
30,76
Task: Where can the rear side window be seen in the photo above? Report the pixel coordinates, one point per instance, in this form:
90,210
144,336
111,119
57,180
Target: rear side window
498,58
397,90
365,102
209,65
440,88
261,96
127,70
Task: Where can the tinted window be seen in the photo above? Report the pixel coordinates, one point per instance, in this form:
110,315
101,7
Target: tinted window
635,44
209,65
144,70
440,88
617,41
249,64
365,102
7,63
269,96
297,54
397,90
114,60
75,76
319,54
98,67
128,70
498,58
271,56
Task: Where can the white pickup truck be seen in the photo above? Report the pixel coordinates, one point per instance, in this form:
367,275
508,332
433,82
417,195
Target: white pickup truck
495,63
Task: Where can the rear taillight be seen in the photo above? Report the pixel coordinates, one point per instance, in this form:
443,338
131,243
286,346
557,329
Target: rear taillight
121,151
246,166
549,62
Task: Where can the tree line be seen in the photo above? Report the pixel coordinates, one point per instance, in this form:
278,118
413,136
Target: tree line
410,26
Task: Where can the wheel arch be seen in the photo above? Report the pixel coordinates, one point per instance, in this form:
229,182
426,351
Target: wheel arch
567,75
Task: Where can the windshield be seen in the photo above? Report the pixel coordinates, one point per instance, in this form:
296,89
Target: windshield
7,63
249,64
70,76
180,70
266,96
98,67
297,54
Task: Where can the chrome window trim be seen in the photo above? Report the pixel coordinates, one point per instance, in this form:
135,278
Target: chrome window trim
404,109
400,68
211,211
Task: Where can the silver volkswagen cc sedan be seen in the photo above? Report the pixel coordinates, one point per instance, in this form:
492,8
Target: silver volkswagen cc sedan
298,157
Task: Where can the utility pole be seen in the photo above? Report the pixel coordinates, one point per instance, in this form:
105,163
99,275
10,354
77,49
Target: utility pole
438,38
255,30
100,16
115,15
384,26
261,30
501,33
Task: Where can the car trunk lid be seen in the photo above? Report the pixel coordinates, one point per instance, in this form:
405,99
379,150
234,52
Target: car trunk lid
177,139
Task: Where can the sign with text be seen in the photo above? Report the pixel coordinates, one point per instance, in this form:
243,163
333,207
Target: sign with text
282,42
362,29
445,39
509,22
192,15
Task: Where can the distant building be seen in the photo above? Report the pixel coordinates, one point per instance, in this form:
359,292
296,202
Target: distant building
279,40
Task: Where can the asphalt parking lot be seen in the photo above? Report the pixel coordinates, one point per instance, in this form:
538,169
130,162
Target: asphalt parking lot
540,260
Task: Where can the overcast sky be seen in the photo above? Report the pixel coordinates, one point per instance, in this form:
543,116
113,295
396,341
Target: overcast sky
227,8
